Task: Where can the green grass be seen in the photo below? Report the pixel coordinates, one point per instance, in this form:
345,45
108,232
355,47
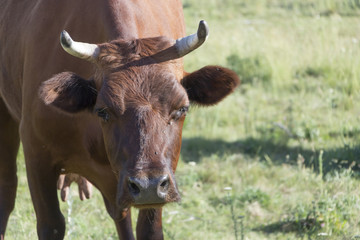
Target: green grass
265,140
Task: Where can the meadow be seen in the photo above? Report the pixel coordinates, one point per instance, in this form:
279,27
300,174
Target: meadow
278,159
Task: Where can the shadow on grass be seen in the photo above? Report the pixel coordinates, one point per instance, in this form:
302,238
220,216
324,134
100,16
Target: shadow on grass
333,159
301,227
194,149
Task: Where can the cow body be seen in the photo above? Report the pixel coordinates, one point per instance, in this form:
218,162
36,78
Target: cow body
61,131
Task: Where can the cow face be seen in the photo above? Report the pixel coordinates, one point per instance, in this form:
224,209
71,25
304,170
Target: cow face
141,101
141,110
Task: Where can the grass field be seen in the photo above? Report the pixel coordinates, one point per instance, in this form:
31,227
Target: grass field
280,158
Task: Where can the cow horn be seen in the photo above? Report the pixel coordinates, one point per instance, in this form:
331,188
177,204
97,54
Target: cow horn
189,43
81,50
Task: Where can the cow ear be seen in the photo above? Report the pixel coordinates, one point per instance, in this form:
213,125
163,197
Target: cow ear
68,92
210,84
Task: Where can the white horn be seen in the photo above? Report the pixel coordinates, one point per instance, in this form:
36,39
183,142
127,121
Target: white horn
187,44
81,50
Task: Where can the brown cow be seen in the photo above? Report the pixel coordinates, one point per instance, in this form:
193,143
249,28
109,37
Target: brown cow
114,116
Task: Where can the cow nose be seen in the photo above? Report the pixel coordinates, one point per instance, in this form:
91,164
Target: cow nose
149,191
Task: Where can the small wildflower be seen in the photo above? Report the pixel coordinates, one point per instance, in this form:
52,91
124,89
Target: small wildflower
191,218
323,234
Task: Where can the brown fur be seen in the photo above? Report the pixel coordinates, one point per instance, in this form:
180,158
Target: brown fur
68,92
210,84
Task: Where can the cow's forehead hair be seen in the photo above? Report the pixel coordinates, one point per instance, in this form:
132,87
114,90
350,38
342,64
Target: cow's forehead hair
154,85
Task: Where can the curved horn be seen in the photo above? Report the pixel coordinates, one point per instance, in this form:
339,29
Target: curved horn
81,50
187,44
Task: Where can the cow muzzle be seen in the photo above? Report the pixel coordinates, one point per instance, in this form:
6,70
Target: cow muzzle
152,192
146,191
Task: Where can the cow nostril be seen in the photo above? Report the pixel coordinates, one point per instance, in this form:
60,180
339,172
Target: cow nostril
133,187
164,184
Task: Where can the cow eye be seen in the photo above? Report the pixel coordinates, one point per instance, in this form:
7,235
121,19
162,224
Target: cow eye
180,112
103,114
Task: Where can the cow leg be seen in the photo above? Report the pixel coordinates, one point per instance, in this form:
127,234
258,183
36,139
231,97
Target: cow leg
9,146
149,225
107,186
123,226
42,179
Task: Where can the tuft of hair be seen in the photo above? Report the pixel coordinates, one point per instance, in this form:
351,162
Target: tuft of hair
120,52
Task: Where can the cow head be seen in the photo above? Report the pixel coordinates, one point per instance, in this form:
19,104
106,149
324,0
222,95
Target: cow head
140,95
